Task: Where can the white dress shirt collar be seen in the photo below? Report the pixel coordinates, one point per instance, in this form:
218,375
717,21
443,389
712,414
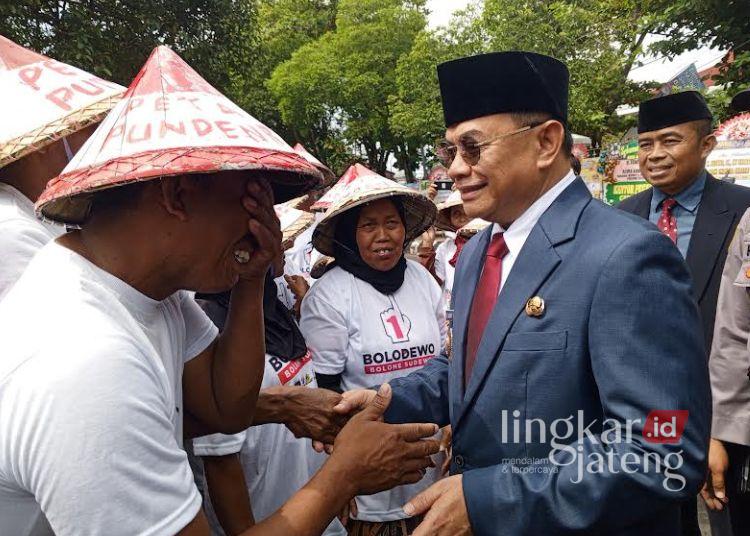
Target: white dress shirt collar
519,230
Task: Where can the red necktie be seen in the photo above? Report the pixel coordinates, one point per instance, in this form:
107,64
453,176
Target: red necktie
485,297
667,222
460,241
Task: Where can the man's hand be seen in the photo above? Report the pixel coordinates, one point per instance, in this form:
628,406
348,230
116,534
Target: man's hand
426,249
298,285
310,413
254,256
714,489
351,402
432,191
445,508
376,456
354,401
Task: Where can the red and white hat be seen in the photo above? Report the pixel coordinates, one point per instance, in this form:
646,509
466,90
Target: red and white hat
328,175
293,222
45,100
366,187
172,122
338,190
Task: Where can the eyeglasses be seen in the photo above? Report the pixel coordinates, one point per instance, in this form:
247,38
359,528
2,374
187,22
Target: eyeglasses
469,148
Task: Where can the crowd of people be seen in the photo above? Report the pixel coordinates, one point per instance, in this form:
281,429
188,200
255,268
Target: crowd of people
175,360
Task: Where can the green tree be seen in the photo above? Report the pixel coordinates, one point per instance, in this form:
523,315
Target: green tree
416,111
342,81
722,24
283,26
113,39
599,40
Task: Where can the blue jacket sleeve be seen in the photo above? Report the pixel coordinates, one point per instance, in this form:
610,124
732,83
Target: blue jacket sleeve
422,396
646,353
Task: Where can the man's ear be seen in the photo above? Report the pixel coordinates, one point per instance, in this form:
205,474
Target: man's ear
551,138
173,190
707,145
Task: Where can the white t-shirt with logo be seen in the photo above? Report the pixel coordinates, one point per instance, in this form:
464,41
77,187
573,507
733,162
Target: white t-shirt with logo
443,268
91,403
371,338
276,464
21,235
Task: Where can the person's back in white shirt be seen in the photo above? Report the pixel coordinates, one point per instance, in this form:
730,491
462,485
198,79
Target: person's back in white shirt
21,235
90,403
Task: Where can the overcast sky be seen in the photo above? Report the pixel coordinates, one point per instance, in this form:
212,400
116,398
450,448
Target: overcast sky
441,10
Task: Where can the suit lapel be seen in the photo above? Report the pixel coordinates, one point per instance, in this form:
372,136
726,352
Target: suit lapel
643,207
536,261
712,223
471,267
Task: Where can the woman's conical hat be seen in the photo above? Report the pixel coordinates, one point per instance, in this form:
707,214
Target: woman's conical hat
444,211
293,222
338,190
419,211
328,175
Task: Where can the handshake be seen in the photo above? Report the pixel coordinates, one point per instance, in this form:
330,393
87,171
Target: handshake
374,455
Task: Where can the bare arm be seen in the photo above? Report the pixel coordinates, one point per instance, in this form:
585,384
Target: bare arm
228,492
369,456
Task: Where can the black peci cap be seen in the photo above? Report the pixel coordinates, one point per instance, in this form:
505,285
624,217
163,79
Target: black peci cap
741,101
670,110
503,82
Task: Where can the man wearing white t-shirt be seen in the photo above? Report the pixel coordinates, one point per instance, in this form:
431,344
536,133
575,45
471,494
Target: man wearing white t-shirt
104,358
22,234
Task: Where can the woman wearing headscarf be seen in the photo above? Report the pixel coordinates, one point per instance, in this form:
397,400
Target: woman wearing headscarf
374,315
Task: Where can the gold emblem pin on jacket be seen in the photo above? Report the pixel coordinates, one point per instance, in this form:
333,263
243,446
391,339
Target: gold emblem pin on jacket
535,306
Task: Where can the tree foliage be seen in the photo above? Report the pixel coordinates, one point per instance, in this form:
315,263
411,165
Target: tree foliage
357,78
722,24
112,38
345,78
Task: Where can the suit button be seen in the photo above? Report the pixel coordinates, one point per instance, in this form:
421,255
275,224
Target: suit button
459,461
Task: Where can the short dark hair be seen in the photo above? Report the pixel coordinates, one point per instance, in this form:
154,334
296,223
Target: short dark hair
523,119
575,163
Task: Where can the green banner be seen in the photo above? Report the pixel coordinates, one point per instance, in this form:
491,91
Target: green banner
616,192
630,150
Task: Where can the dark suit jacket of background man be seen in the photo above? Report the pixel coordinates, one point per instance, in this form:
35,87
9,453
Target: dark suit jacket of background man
721,207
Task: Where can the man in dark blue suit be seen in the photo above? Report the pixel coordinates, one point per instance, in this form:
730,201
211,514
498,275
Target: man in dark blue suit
697,211
578,389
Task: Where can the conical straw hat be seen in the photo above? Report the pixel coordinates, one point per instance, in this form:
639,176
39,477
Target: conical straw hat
444,211
293,222
339,189
328,175
419,211
473,227
172,122
45,100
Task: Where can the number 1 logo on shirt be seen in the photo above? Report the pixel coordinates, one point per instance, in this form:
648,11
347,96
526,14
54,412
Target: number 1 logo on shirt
396,324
